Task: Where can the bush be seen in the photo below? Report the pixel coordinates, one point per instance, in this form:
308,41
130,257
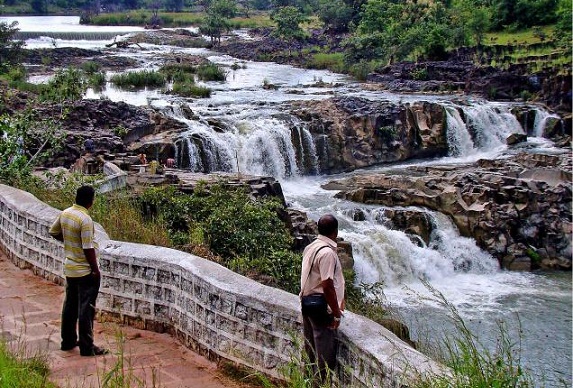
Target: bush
211,72
186,89
139,79
246,233
66,85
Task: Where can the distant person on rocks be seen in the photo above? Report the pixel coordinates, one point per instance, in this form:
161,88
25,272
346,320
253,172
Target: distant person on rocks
142,159
170,163
75,228
89,146
322,298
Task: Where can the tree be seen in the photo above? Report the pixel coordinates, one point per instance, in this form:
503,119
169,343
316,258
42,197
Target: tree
217,20
10,49
174,5
288,20
336,15
39,6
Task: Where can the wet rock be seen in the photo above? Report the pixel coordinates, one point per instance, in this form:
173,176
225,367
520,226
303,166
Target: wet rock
516,138
513,208
351,132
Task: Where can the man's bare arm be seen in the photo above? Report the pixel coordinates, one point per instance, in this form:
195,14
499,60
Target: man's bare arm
92,260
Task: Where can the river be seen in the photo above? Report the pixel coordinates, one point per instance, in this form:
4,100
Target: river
536,308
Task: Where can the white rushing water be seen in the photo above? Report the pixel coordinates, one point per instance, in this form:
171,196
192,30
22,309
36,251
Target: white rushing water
256,139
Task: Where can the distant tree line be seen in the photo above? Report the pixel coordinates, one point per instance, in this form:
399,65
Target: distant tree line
381,30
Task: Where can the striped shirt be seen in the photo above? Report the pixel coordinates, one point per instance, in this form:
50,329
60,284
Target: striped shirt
77,228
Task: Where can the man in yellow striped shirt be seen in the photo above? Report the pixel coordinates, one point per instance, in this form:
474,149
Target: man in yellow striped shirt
75,228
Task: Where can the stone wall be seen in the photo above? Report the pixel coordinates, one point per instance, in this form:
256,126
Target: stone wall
211,309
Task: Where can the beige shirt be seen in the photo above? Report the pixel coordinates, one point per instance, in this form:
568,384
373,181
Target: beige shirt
326,266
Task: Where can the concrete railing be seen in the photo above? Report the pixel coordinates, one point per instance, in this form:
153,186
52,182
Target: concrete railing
211,309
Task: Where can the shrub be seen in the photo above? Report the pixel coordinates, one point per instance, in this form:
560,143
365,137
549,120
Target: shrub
139,79
186,89
66,85
90,67
211,72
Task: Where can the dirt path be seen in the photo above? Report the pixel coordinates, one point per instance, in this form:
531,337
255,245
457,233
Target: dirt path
30,319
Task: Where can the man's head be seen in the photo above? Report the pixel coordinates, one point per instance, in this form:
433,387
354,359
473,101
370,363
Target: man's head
85,196
328,226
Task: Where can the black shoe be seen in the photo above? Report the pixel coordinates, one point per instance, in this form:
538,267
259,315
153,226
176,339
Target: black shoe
66,348
95,351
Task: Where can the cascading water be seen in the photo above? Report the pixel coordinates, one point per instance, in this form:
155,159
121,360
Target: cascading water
270,143
256,145
541,118
489,125
392,257
459,139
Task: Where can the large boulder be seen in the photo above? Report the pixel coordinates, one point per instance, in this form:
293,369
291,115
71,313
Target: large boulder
351,132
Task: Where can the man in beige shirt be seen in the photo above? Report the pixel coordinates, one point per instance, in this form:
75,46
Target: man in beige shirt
322,274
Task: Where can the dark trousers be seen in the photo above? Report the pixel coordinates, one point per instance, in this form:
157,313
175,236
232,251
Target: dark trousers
320,345
79,308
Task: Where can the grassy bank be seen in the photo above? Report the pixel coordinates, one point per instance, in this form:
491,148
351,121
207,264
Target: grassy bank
175,19
20,369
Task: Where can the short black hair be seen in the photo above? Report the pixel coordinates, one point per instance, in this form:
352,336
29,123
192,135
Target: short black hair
327,224
85,196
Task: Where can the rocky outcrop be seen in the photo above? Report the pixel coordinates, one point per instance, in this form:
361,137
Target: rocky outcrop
519,210
351,133
114,127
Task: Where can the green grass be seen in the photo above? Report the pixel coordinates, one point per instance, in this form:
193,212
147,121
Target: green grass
524,37
177,19
20,369
211,72
330,61
474,365
139,79
190,90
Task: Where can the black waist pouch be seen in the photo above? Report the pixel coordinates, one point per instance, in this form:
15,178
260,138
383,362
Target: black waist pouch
315,307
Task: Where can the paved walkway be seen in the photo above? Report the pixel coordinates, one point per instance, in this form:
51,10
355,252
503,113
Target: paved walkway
30,318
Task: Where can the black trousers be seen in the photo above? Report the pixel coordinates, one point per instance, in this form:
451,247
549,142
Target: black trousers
320,345
79,309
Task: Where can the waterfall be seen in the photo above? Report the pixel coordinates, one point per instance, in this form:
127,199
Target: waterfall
541,117
258,145
459,139
391,257
69,35
490,125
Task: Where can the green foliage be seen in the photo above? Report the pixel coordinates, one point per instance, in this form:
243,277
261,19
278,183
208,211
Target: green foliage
472,363
211,72
171,69
247,234
139,79
330,61
18,369
190,90
10,49
97,80
288,20
25,141
217,20
336,15
90,67
66,85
